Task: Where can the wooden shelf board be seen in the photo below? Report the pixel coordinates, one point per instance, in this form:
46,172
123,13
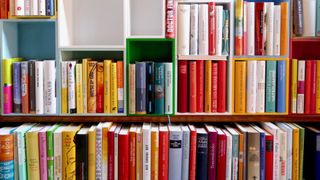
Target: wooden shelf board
305,39
27,20
202,57
263,58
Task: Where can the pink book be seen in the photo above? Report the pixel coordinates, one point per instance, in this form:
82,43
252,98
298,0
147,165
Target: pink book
43,153
7,99
245,26
212,152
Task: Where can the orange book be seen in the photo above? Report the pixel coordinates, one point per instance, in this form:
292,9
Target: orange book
6,145
241,151
284,29
132,152
92,86
100,88
120,86
193,152
154,152
139,175
208,86
240,82
193,87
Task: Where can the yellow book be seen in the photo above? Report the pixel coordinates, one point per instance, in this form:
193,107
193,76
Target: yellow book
318,88
114,88
294,85
92,87
7,70
107,84
295,152
139,153
32,148
240,82
79,88
84,83
105,129
284,28
92,153
208,86
69,152
154,152
64,87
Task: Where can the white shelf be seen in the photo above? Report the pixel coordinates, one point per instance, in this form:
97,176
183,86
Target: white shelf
202,114
92,48
202,57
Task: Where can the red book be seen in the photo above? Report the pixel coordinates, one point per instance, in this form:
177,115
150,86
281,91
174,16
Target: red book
193,86
212,152
259,28
200,86
221,156
214,94
123,164
4,8
163,152
183,86
307,101
100,88
245,29
132,149
313,87
170,18
111,152
212,28
269,157
193,152
222,88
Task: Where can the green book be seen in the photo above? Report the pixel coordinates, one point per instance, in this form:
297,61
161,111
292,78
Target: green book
50,151
271,76
301,148
159,87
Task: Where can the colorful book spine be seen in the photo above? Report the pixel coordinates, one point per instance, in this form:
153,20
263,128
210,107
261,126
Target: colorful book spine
64,87
294,85
240,87
271,86
50,101
193,153
24,88
7,156
124,154
141,88
79,88
208,86
313,87
168,88
281,86
284,28
92,153
71,87
92,87
50,150
17,87
183,86
200,86
132,152
170,18
50,8
222,88
114,88
32,86
212,28
39,87
301,86
318,88
259,18
107,86
202,156
32,147
239,27
120,84
214,93
225,32
193,87
132,89
163,152
150,82
7,85
43,155
85,84
155,152
100,88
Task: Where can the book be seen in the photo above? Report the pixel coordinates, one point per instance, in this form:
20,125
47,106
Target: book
146,151
203,29
170,19
253,153
222,88
16,87
284,28
212,151
50,101
42,7
240,87
251,86
200,85
92,153
212,28
159,88
241,155
92,87
98,144
283,154
18,8
132,89
219,30
50,8
34,7
7,153
245,29
100,88
309,17
301,86
141,88
50,150
183,25
85,84
214,84
269,156
71,87
271,86
193,152
120,82
202,154
228,154
182,86
185,151
207,86
312,154
301,148
318,87
114,88
139,142
225,32
261,83
175,152
277,30
250,28
262,134
298,17
195,29
192,86
313,87
64,87
259,24
150,87
57,139
243,148
106,126
81,139
269,22
238,27
294,85
24,88
39,88
163,152
295,151
42,136
32,86
79,88
221,154
281,86
123,154
4,8
235,151
154,151
107,85
116,151
132,151
168,102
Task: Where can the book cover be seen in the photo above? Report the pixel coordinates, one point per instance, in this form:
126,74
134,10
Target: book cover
79,88
105,129
222,88
200,85
269,25
221,154
50,150
64,87
212,28
50,94
301,148
39,87
202,154
163,152
92,153
253,159
259,19
120,83
239,27
260,94
175,152
154,151
192,86
281,86
312,153
228,154
207,86
43,153
309,86
24,88
57,141
81,140
98,152
277,30
7,153
132,151
150,84
185,151
243,156
100,88
269,157
301,86
251,28
18,8
251,86
42,7
313,87
132,89
168,88
294,84
85,84
271,86
225,32
194,28
182,86
32,86
309,17
92,87
116,152
262,150
107,85
203,29
219,30
245,29
298,17
16,87
215,85
146,151
284,28
240,87
124,154
235,151
114,88
183,29
71,87
170,19
212,151
141,87
295,151
50,8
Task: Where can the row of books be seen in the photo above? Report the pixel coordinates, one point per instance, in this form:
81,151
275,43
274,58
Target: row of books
260,86
29,86
261,28
203,29
33,7
305,86
202,86
150,88
159,151
306,17
92,87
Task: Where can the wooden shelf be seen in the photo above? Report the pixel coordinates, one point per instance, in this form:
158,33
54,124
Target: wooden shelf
178,119
305,39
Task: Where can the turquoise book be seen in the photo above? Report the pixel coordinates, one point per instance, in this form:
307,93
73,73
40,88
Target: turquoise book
318,18
225,33
271,77
50,151
159,87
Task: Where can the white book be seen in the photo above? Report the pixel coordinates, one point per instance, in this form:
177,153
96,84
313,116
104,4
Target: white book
71,87
260,86
270,27
57,139
235,152
245,26
146,151
19,7
275,131
116,152
194,24
42,7
277,30
168,89
309,17
132,89
183,29
39,87
175,152
228,155
264,28
99,152
27,7
50,99
288,131
251,86
185,152
283,154
251,28
219,28
203,29
34,7
301,78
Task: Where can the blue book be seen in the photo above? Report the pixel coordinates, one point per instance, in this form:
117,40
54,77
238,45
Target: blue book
141,95
159,88
271,77
50,8
202,154
150,87
6,143
281,86
17,87
312,153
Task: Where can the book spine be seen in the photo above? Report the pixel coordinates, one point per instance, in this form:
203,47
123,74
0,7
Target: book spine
79,88
50,97
262,156
64,87
297,17
301,86
42,7
7,156
57,155
24,88
34,7
32,148
124,156
271,86
251,28
269,158
269,8
253,141
71,87
43,155
159,87
214,92
92,154
68,155
27,7
284,28
4,8
251,86
202,157
225,32
240,87
308,82
295,154
98,145
313,87
309,17
132,89
221,157
19,7
245,29
168,89
228,156
222,88
194,29
212,28
277,30
50,8
114,88
50,153
208,86
281,86
141,88
132,155
81,156
175,155
163,155
155,154
92,87
203,29
239,27
146,154
260,94
107,86
259,18
318,88
32,87
200,85
317,18
219,29
283,155
17,87
100,88
294,85
193,154
7,86
84,85
170,18
193,87
105,131
241,157
150,82
183,29
120,82
139,165
183,86
39,89
235,158
185,154
212,155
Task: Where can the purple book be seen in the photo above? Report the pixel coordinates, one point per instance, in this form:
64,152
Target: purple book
17,87
212,152
43,153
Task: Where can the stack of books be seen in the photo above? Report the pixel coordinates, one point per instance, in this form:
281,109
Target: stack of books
29,87
160,151
260,86
32,8
92,87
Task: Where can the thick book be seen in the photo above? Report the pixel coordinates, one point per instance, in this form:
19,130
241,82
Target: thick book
71,87
294,85
92,87
212,151
170,19
32,86
168,101
183,29
163,152
50,150
215,85
259,18
212,28
240,87
159,88
251,86
64,87
123,154
24,88
200,85
185,151
281,86
146,151
309,17
81,139
16,79
182,86
271,86
193,152
192,86
79,88
120,85
100,89
312,153
175,152
132,89
141,87
301,86
39,87
154,151
298,18
284,28
92,153
203,29
7,153
219,30
107,85
50,94
150,84
194,29
222,88
239,27
207,86
202,154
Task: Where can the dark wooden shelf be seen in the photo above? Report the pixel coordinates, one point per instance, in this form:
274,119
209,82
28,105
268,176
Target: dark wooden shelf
305,39
180,119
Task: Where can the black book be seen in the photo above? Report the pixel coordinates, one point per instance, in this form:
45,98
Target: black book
202,154
32,86
150,87
311,153
81,140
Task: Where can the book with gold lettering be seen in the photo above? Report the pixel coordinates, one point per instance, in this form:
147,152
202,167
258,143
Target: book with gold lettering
92,87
